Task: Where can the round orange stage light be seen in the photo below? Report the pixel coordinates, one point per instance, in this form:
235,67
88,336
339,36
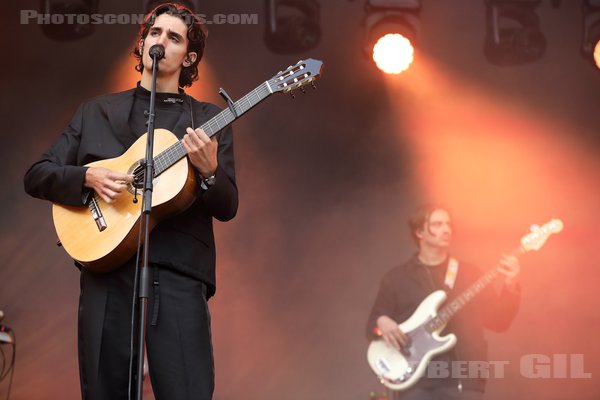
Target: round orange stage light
393,53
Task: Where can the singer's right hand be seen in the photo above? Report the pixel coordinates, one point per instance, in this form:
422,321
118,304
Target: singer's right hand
391,333
106,183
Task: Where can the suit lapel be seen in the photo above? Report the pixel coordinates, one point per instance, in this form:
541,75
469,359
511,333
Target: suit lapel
118,114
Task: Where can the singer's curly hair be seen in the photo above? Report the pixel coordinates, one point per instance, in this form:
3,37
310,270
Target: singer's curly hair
196,37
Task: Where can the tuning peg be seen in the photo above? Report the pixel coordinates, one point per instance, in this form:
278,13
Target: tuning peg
292,94
313,85
302,89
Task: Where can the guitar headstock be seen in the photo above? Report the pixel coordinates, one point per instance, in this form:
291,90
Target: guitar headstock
536,239
303,73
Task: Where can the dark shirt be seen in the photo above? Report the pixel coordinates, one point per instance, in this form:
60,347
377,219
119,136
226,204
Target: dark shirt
168,109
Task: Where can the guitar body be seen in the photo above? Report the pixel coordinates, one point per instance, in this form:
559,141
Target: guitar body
101,251
399,370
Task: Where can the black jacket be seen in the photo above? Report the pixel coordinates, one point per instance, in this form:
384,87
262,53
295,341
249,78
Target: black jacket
100,130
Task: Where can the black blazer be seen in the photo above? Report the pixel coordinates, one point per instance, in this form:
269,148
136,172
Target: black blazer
100,130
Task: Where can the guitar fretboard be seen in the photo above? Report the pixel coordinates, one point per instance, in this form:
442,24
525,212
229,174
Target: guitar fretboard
448,311
176,152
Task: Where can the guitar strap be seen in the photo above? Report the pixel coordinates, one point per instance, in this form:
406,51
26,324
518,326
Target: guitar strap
191,111
451,273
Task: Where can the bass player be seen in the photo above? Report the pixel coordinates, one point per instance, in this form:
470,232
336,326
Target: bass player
431,268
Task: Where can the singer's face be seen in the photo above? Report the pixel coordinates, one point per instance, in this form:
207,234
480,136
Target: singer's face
171,32
437,231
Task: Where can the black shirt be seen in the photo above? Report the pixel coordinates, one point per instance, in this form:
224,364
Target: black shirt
168,109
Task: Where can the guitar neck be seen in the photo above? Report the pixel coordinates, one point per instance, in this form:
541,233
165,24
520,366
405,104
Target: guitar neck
176,152
447,312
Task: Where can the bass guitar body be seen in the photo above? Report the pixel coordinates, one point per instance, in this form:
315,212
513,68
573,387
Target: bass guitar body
399,370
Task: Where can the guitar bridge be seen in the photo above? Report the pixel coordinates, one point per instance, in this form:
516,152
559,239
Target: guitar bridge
97,214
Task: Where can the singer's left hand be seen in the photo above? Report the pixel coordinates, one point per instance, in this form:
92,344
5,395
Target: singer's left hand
510,268
202,151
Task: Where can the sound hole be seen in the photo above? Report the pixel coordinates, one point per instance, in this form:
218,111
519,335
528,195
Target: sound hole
137,170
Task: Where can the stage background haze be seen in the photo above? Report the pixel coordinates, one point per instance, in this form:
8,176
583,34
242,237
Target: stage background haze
327,181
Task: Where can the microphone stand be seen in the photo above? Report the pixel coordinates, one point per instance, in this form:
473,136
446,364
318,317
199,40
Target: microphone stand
157,52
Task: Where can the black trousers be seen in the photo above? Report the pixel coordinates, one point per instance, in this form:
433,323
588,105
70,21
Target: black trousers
178,344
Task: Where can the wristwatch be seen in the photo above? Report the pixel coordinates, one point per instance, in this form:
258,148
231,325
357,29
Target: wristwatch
208,182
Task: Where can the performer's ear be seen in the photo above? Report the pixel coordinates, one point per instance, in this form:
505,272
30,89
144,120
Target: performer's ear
141,47
419,233
190,59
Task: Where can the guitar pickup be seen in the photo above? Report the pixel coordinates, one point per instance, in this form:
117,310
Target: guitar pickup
97,214
383,366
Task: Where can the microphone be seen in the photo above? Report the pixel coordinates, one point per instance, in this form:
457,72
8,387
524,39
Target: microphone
157,51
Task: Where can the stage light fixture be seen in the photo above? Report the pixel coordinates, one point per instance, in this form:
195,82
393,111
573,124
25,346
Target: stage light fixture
293,26
513,34
391,29
590,46
68,20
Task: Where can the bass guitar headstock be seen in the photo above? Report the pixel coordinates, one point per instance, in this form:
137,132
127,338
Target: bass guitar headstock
538,236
